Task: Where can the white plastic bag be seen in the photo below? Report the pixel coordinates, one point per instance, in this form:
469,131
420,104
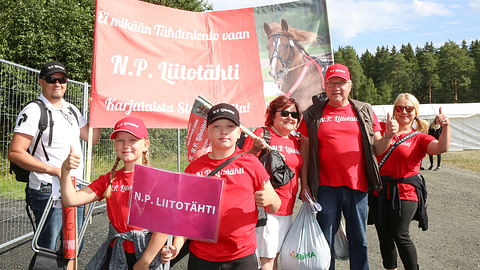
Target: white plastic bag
305,246
340,243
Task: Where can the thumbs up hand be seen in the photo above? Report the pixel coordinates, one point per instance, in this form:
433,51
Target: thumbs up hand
260,196
72,161
391,127
267,197
442,118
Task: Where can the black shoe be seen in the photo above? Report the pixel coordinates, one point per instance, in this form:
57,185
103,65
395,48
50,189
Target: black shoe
421,168
437,168
430,168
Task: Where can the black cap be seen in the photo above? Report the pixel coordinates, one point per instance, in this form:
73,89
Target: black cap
223,111
52,67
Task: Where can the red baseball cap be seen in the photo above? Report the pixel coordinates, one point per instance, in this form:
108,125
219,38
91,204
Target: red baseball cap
132,125
337,70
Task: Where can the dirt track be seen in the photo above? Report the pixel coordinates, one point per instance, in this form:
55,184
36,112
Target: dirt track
452,241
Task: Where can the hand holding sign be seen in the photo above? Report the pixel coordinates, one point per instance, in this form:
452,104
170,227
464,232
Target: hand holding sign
168,253
391,127
197,141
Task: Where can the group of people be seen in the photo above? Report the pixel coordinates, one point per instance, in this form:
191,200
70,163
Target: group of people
343,157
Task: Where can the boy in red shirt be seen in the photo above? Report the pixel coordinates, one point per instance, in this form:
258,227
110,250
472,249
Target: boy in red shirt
246,186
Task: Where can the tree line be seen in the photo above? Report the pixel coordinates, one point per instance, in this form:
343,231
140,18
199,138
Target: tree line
448,74
36,31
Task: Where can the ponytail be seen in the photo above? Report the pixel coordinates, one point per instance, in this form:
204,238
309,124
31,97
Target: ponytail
146,160
108,191
422,125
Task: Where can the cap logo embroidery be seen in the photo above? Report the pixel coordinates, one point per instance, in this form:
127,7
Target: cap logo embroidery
227,110
127,124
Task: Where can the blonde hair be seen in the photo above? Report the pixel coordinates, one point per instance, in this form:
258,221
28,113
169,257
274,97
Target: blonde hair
434,124
422,125
108,191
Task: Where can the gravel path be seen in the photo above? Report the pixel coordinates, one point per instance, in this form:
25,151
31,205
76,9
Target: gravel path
452,241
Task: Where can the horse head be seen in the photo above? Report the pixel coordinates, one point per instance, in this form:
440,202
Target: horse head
297,73
280,48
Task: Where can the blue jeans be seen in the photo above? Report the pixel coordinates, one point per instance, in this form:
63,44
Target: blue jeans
52,229
354,205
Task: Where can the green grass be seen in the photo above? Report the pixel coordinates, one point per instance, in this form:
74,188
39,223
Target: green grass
11,188
467,160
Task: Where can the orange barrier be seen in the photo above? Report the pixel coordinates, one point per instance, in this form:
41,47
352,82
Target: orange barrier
69,230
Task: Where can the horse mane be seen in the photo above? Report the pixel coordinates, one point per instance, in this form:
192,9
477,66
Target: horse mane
301,36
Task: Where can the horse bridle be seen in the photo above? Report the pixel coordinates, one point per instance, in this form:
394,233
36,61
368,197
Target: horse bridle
286,64
276,54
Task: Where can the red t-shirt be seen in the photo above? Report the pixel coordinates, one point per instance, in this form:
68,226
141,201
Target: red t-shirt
340,153
290,149
117,204
238,212
404,162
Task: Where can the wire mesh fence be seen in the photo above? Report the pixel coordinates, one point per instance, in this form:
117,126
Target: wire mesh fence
18,86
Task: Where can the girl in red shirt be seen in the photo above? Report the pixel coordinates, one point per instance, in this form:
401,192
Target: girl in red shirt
130,139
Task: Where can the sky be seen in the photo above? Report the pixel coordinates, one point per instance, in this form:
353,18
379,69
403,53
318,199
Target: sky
365,25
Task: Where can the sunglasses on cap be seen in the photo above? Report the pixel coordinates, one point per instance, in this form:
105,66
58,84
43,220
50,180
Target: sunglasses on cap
408,109
53,80
284,113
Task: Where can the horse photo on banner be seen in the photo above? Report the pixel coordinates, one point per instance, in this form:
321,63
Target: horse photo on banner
295,49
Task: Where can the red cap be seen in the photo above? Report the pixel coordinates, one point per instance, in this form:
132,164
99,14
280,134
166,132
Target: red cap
132,125
337,70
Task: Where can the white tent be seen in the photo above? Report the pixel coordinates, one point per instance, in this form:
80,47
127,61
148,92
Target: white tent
464,121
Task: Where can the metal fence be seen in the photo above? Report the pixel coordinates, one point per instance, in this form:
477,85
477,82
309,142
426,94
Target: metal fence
18,86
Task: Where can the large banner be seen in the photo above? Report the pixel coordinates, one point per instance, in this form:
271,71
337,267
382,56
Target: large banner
177,204
152,61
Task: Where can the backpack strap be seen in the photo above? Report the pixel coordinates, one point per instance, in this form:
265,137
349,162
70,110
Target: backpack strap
74,113
266,135
42,125
50,134
390,150
221,166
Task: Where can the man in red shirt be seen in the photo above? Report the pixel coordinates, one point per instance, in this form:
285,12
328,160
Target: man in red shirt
340,138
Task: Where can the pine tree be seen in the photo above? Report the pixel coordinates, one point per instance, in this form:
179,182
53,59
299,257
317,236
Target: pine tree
455,68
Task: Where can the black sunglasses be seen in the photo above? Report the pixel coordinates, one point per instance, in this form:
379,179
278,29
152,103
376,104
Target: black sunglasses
284,113
53,80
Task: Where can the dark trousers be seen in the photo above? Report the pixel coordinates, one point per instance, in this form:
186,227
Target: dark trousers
395,235
246,263
439,160
52,229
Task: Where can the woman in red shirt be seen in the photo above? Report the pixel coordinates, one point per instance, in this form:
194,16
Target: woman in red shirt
404,194
282,119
